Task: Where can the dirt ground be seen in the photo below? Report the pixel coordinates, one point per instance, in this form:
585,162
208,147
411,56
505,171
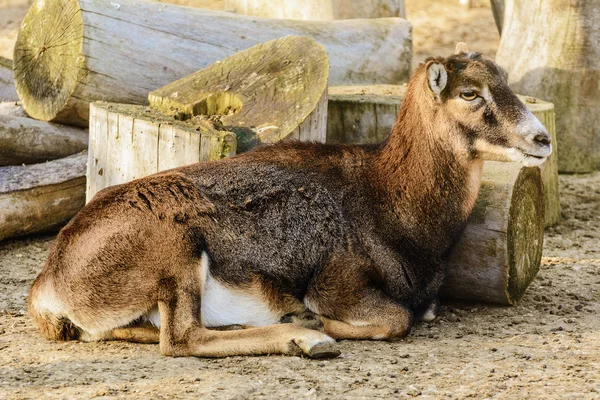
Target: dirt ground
546,347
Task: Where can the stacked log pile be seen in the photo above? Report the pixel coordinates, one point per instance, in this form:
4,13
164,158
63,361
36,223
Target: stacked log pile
73,52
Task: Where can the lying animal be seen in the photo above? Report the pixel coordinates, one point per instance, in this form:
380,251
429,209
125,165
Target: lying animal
341,242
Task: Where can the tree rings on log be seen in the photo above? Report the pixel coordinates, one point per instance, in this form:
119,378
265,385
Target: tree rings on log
270,92
499,253
72,52
41,197
366,113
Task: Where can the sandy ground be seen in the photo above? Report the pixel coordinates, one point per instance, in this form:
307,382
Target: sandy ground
546,347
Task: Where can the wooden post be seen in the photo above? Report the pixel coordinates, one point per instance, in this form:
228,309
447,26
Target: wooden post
366,114
550,50
72,52
318,10
41,197
270,92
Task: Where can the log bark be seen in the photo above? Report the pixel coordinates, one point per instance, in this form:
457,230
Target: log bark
270,92
550,50
69,53
7,86
500,251
41,197
12,108
498,11
366,113
28,141
318,10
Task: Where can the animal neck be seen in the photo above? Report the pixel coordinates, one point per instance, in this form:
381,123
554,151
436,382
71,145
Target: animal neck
424,171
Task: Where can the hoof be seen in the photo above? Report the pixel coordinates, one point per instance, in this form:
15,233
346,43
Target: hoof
321,351
317,345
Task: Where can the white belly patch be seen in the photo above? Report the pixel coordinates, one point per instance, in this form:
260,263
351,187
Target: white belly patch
223,305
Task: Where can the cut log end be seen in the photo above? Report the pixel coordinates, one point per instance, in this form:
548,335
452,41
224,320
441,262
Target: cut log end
507,229
48,59
525,232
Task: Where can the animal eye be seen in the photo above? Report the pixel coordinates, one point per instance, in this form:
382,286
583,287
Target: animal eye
469,96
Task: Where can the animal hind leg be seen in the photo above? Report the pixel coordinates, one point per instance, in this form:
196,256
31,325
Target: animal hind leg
375,317
182,333
137,334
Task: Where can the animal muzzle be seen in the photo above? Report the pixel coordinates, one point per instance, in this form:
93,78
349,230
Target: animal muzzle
536,142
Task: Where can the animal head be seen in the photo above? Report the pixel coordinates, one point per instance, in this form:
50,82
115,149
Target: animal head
472,93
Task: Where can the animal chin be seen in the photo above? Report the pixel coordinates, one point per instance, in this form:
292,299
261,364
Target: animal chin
528,160
532,161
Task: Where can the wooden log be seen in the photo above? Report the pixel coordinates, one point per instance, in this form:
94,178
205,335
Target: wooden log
41,197
28,141
12,108
499,253
7,86
366,114
318,10
565,70
270,92
72,52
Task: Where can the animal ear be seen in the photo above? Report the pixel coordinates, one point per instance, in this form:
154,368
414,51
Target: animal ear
437,77
461,47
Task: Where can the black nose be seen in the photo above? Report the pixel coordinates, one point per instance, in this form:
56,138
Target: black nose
542,139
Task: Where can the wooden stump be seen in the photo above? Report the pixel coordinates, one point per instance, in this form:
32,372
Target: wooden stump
270,92
550,50
318,10
362,114
7,86
28,141
128,142
366,114
72,52
499,253
41,197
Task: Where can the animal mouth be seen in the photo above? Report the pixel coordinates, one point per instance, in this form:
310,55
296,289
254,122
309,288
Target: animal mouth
532,159
534,156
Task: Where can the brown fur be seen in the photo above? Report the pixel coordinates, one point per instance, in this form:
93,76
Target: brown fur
354,234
